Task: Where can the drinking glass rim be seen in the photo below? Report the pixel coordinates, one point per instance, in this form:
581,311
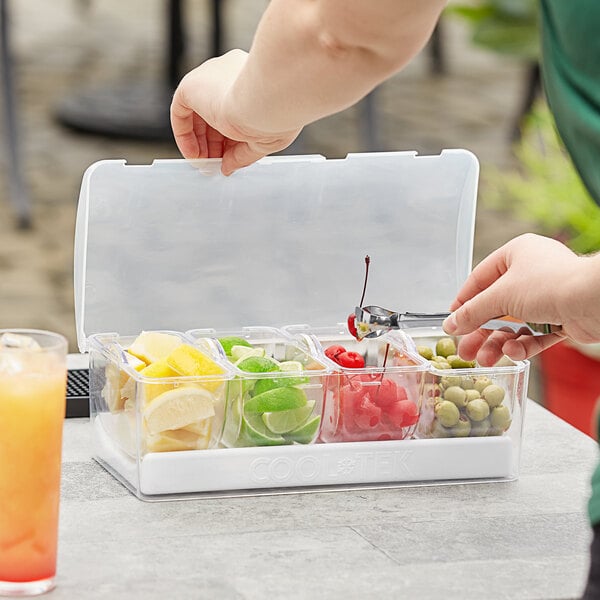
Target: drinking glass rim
60,341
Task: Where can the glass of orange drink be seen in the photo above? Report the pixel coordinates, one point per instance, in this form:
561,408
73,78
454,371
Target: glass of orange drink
32,410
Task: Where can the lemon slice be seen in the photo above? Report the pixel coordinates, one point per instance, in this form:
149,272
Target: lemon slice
128,393
200,428
119,386
172,441
115,379
190,362
151,346
157,370
134,362
178,408
285,421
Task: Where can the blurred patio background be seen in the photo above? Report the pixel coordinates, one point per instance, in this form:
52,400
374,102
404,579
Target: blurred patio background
65,47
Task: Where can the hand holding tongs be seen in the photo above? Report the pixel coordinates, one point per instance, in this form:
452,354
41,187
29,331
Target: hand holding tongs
373,321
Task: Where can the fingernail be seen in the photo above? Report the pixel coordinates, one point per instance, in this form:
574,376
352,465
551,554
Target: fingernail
449,325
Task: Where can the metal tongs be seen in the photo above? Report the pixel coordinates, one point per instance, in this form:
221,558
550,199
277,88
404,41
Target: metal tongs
373,321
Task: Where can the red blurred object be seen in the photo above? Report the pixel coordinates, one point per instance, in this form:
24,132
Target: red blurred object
571,383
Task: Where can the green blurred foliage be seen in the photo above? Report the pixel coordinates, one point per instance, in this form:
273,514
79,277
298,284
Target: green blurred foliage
546,190
508,27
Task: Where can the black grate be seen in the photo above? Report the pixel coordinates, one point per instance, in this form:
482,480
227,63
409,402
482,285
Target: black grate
78,393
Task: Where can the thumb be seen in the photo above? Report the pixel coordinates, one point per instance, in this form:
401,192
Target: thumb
239,155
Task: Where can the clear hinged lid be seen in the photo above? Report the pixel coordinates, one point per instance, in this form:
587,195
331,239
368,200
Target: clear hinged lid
176,245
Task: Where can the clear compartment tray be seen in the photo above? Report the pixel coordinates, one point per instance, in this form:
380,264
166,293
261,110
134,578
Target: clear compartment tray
178,248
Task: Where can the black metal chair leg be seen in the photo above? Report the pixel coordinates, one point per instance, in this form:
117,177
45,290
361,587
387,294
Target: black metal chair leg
175,43
533,88
436,51
368,122
16,181
217,28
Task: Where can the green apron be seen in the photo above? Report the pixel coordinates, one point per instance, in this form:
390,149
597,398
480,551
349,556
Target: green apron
571,72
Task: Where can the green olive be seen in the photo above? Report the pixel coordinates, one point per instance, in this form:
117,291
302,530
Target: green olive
462,428
493,395
494,431
449,381
457,362
480,428
456,395
472,395
500,417
478,410
445,346
467,383
425,352
439,431
481,383
441,365
447,413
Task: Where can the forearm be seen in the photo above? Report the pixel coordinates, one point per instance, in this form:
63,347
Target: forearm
580,296
312,58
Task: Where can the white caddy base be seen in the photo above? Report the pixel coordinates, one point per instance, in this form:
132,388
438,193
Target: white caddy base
314,465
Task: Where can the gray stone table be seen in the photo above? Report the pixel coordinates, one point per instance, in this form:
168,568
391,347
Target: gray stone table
515,540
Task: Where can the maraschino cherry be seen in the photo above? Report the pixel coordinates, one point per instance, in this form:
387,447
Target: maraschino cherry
352,316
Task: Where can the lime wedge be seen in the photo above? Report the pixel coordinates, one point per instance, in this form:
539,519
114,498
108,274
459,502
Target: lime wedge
264,385
238,353
254,433
291,365
232,340
287,420
283,398
257,364
233,413
306,433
